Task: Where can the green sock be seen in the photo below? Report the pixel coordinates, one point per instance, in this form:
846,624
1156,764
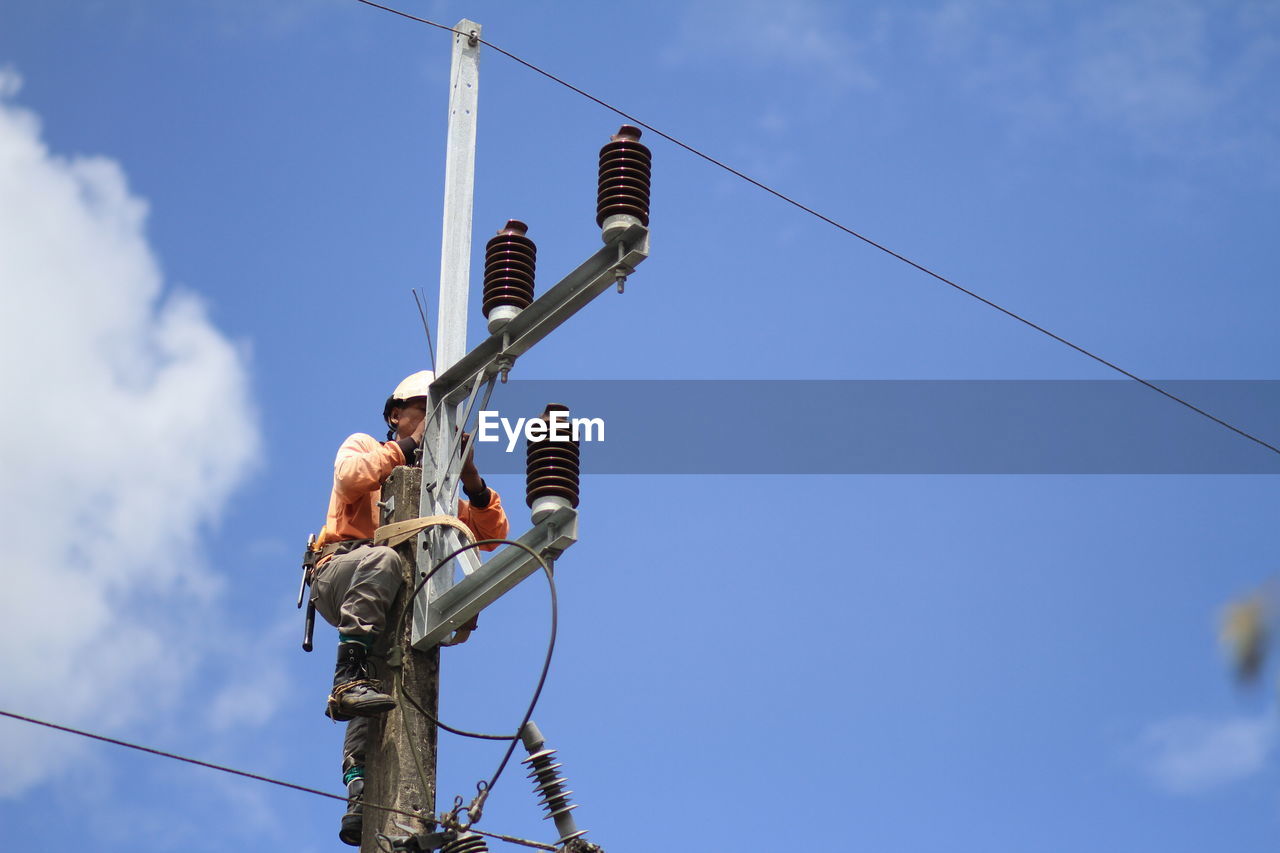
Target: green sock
356,772
363,639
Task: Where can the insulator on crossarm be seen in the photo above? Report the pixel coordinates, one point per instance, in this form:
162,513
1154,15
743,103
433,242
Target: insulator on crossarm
622,199
552,466
465,842
509,262
548,783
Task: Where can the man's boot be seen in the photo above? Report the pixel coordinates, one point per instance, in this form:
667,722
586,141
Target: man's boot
354,693
353,820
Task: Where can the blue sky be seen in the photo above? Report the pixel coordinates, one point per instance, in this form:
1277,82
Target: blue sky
213,213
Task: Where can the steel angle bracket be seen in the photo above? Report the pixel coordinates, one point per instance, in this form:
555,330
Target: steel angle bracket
435,620
498,352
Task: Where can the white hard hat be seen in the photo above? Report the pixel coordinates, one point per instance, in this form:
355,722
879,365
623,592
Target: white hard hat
414,385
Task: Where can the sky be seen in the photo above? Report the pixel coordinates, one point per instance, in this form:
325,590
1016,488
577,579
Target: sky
211,218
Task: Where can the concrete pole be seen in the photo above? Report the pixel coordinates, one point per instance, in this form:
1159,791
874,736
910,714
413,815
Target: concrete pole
440,496
459,190
400,766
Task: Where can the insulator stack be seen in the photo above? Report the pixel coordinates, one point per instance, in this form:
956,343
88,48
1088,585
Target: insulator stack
548,782
466,842
509,261
552,466
626,166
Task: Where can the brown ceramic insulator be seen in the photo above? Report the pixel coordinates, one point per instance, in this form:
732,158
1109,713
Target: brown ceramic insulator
560,448
626,142
544,480
621,166
559,466
552,487
510,260
552,468
552,481
626,167
496,262
557,452
628,188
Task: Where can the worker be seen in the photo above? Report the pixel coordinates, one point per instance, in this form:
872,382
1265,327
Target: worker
355,581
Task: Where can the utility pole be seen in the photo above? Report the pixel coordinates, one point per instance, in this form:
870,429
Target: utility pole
402,758
401,763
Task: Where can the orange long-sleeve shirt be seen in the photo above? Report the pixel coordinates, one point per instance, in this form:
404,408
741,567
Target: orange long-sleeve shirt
363,463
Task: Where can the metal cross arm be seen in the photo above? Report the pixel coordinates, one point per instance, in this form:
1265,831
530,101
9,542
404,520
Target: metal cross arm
434,622
499,351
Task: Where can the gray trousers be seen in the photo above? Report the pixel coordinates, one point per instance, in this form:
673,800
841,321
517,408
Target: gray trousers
354,592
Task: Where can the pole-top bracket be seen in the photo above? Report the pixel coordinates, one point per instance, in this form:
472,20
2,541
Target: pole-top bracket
469,29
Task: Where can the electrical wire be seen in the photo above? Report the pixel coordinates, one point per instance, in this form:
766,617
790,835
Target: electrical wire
551,642
255,776
450,729
542,677
426,327
844,228
161,753
513,840
409,697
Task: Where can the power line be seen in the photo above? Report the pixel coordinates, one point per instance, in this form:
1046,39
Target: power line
174,756
422,21
195,761
834,223
514,739
512,840
546,663
258,777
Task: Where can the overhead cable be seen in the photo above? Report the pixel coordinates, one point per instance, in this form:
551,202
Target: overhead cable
546,663
197,762
304,789
834,223
175,757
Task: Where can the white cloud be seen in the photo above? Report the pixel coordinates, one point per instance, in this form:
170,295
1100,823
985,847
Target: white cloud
799,36
127,423
1175,76
1188,755
254,694
1144,64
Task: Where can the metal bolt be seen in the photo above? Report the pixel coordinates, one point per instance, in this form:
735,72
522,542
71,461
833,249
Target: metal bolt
505,364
